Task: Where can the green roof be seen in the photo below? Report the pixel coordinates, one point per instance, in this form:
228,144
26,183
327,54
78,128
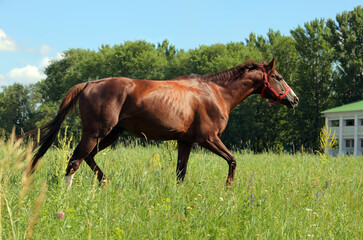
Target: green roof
351,107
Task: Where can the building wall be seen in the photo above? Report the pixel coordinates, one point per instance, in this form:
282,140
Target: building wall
349,132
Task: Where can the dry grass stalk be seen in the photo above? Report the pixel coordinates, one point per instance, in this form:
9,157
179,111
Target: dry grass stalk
36,212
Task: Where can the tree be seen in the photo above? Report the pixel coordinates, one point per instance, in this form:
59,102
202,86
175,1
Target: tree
16,108
138,60
314,79
346,36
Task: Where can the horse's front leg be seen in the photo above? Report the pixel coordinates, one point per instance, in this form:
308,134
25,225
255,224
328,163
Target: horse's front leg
215,145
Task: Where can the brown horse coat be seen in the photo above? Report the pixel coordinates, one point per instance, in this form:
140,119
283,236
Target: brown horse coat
191,109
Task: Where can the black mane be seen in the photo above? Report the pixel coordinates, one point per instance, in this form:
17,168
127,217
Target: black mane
229,74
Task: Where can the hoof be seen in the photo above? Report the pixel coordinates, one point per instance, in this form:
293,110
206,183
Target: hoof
105,180
68,180
229,182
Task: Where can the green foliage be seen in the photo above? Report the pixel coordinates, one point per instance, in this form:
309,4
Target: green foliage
314,79
321,61
346,37
17,107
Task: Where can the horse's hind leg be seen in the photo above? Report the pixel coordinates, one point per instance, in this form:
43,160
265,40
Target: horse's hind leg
104,143
84,148
184,149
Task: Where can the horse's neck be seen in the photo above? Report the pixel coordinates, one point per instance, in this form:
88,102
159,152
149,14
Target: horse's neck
236,91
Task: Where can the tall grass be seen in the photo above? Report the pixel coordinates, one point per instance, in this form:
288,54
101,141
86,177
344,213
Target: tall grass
273,196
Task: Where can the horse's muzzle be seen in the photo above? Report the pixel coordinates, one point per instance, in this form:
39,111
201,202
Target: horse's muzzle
290,102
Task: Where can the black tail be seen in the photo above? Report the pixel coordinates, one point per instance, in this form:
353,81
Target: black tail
49,131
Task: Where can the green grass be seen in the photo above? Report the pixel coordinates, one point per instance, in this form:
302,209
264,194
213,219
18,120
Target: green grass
273,196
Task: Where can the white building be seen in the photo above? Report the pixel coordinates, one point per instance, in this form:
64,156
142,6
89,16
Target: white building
347,123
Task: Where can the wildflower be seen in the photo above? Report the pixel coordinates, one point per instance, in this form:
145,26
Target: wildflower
318,195
251,177
88,224
113,219
327,183
60,215
253,199
187,195
309,210
189,208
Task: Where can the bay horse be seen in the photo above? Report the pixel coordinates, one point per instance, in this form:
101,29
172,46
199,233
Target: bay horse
192,109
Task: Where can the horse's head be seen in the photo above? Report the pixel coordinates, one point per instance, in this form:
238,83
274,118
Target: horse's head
275,88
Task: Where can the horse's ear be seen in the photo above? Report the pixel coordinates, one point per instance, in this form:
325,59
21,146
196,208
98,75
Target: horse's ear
271,65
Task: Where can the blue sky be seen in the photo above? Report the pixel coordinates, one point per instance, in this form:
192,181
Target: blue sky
33,32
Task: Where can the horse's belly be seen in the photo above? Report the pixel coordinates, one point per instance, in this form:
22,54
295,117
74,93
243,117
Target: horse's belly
155,128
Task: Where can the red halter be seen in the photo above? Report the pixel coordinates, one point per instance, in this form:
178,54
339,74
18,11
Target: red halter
266,84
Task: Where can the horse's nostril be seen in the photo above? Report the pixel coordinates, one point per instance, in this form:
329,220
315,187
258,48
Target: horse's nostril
296,99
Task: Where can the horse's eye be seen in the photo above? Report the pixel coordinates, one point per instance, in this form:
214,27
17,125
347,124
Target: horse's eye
278,78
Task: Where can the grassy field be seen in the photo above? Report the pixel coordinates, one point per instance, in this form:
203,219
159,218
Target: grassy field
273,196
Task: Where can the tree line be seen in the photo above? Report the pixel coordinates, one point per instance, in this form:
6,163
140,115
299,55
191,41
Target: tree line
322,61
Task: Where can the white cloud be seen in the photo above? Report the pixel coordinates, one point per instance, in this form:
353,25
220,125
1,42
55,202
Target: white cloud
59,56
45,50
45,63
7,43
2,80
29,73
25,75
47,60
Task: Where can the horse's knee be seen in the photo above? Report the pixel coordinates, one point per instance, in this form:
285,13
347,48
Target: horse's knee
72,167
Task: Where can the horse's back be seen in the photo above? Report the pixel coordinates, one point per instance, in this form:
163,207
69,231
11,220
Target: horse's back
152,109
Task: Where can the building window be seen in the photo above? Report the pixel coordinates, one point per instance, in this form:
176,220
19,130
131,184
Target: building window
349,143
349,122
361,143
361,122
334,123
